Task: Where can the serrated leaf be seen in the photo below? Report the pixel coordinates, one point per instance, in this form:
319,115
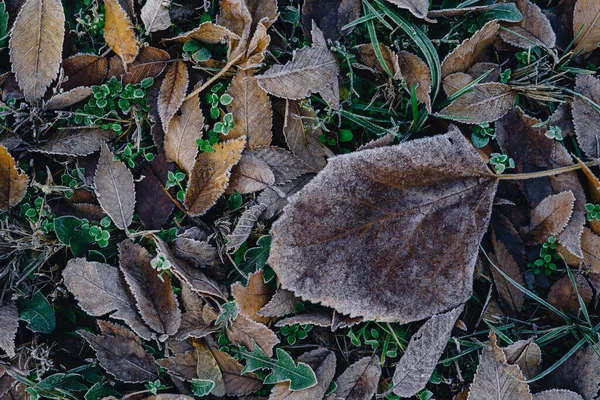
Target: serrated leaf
119,33
418,8
276,197
155,15
153,205
248,333
557,394
149,63
182,364
416,74
579,373
207,32
456,81
154,296
9,320
585,116
67,99
115,188
549,218
355,207
244,226
253,296
586,26
322,318
512,297
172,92
533,30
36,43
284,164
423,353
282,303
283,369
250,175
210,176
78,142
487,102
237,383
13,182
99,290
527,355
359,381
198,317
182,133
84,70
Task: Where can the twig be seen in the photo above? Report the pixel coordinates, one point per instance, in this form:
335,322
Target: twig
550,172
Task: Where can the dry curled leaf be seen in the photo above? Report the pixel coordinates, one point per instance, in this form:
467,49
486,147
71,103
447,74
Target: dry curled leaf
580,373
359,381
416,74
9,320
206,32
549,218
99,291
155,15
210,176
78,142
527,355
461,58
122,356
244,226
310,70
13,181
67,99
363,265
511,296
423,353
533,30
36,43
586,26
585,116
486,102
250,175
172,92
118,32
84,70
418,8
251,109
282,303
253,297
182,133
115,188
246,332
154,296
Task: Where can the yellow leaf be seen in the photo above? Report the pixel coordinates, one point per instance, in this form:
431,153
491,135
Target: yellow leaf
118,32
13,182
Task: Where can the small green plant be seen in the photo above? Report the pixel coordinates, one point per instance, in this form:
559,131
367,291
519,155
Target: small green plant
225,126
73,179
99,231
196,52
129,154
505,75
377,337
217,97
295,333
592,212
38,214
175,179
528,56
501,162
482,134
202,387
554,133
229,312
204,146
548,258
154,387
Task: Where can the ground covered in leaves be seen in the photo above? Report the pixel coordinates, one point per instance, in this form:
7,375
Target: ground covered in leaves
299,199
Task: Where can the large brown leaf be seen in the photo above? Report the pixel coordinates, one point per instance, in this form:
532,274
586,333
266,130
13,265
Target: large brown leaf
9,320
182,133
487,102
99,291
154,296
210,176
585,117
533,30
115,188
586,26
359,381
557,394
172,92
84,70
118,32
13,182
251,109
418,8
441,202
36,45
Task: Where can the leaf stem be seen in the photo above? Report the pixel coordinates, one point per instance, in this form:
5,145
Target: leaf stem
550,172
214,77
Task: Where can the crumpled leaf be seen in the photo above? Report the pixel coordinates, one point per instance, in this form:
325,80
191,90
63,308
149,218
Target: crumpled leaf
579,373
512,297
13,181
77,142
423,353
251,109
249,333
36,43
359,381
122,356
549,218
487,102
250,175
253,297
244,226
361,276
461,58
311,69
155,15
533,30
182,133
416,73
115,188
67,99
9,320
99,291
118,32
172,92
210,176
84,70
282,303
585,26
585,117
154,296
418,8
557,394
322,361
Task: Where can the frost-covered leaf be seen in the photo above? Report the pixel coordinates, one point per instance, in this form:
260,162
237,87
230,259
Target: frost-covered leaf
585,116
84,70
527,355
237,383
9,320
253,297
511,296
416,74
282,303
13,181
549,218
244,226
586,26
182,364
207,32
487,102
580,373
155,15
276,197
78,142
418,8
153,205
557,394
172,92
149,63
118,32
533,30
68,98
321,318
250,175
563,296
182,133
359,381
248,333
284,164
361,276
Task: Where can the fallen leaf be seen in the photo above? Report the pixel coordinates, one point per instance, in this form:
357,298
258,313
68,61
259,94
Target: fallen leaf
359,381
236,383
210,176
154,296
154,206
321,318
250,175
182,364
533,30
206,32
253,297
586,28
282,303
244,226
549,218
276,197
527,355
330,16
310,69
512,297
486,102
99,291
367,55
322,361
462,57
251,109
423,353
182,133
385,140
585,117
36,43
354,275
456,81
118,32
579,373
418,8
501,11
557,394
67,99
563,296
115,188
207,367
416,74
122,357
9,320
172,92
13,181
284,164
84,70
246,332
480,68
149,63
77,142
155,15
196,321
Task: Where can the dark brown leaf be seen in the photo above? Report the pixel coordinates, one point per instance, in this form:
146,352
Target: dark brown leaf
359,381
149,63
533,30
579,373
154,206
585,117
84,70
512,297
68,98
